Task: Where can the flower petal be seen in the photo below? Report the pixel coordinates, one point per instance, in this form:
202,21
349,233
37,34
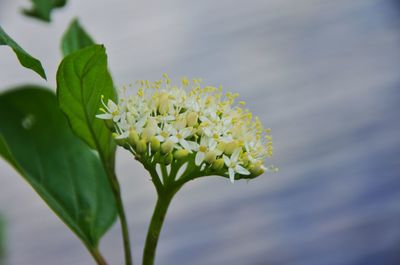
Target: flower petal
199,158
235,154
185,145
160,138
193,145
212,144
174,139
241,170
227,161
116,118
111,105
231,174
186,132
104,116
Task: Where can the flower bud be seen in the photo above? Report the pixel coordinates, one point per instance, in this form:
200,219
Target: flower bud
191,119
147,133
230,147
167,147
141,146
163,106
218,164
155,144
180,123
221,146
168,158
210,157
245,157
133,137
182,153
110,125
256,170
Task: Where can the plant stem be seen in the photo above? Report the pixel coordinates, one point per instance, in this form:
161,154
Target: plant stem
165,192
123,222
109,165
156,224
97,256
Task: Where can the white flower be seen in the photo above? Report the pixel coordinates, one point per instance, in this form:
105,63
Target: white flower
165,134
234,166
207,145
111,111
179,136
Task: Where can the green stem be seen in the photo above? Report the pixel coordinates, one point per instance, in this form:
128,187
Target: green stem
109,165
156,224
166,192
164,173
97,256
123,222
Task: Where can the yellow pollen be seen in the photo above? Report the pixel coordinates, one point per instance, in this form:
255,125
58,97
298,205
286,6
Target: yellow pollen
185,81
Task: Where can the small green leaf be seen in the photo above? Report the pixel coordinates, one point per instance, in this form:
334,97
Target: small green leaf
75,38
82,79
36,140
41,9
24,58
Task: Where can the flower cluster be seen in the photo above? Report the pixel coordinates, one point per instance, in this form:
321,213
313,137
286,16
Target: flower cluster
190,120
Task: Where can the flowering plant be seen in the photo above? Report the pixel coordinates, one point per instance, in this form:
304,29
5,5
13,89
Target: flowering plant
64,145
187,131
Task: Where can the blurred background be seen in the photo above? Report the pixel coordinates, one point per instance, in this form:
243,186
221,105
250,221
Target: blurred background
324,75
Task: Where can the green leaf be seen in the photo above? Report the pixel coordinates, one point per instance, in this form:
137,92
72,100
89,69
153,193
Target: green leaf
41,9
82,79
38,142
75,38
24,58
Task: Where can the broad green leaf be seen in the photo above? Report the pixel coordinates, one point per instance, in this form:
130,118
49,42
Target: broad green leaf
75,38
82,79
41,9
24,58
5,153
38,142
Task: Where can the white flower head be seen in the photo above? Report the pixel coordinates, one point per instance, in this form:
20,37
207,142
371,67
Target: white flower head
192,123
